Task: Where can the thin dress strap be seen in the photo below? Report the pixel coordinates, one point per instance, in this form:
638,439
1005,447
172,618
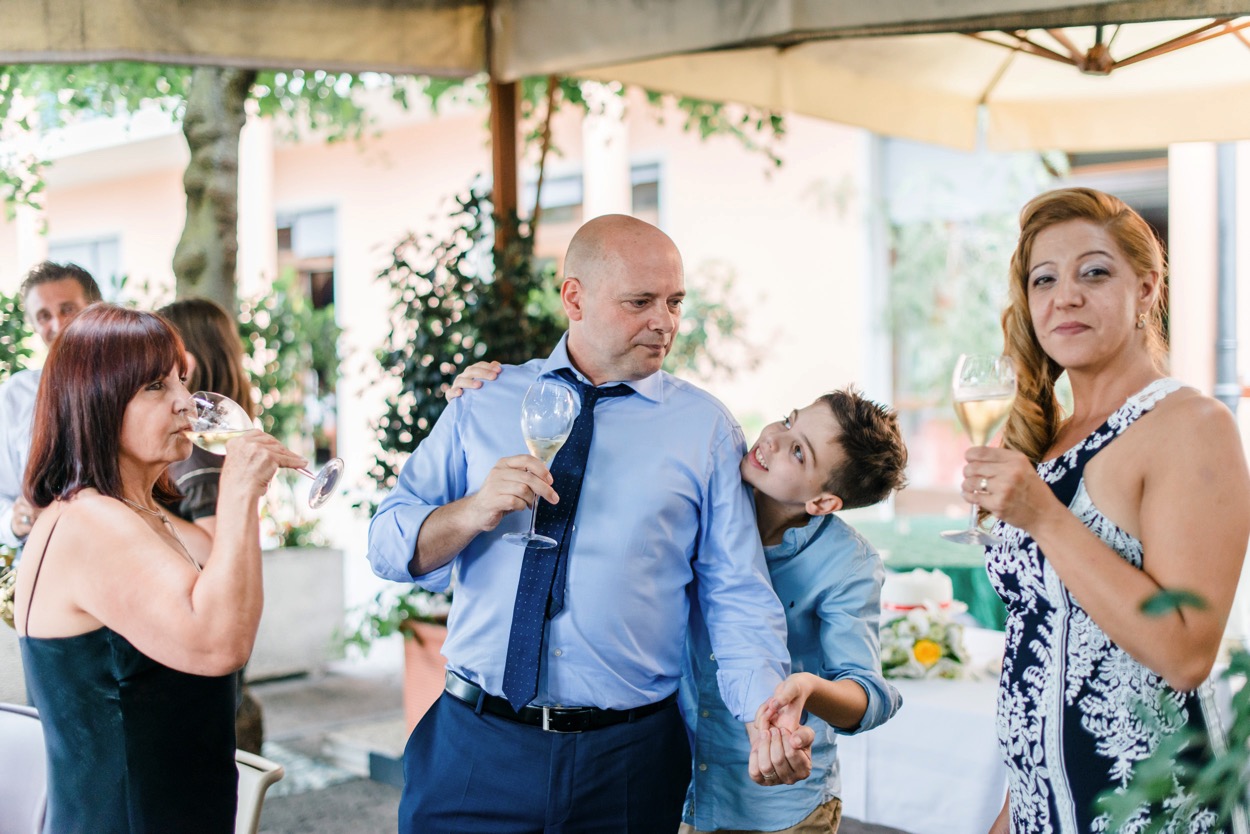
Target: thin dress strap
30,599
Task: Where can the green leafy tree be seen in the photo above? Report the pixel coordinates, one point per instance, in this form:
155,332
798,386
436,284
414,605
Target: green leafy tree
211,105
449,308
14,336
947,290
291,354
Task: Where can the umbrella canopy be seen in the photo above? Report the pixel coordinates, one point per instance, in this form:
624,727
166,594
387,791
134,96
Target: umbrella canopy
1136,85
899,67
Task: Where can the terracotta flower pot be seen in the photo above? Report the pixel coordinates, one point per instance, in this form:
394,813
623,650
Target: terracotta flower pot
424,668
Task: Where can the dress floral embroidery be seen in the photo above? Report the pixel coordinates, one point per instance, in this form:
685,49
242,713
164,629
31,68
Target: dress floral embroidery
1068,720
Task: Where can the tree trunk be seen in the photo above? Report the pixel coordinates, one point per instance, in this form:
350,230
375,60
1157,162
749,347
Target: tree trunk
204,262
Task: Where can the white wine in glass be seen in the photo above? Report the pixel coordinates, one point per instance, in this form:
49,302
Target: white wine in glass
218,418
983,388
547,416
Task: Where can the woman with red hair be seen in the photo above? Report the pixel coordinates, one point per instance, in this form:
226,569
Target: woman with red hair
132,622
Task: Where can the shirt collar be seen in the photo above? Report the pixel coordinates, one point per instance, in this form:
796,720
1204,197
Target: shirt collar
796,539
651,387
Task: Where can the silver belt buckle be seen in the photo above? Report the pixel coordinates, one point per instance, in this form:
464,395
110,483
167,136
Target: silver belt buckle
547,724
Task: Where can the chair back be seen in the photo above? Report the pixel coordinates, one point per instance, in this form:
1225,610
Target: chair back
256,774
23,771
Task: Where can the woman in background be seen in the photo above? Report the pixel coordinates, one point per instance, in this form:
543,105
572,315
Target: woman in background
132,623
1142,487
215,363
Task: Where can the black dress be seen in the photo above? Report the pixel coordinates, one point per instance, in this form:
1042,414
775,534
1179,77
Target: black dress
1069,698
132,746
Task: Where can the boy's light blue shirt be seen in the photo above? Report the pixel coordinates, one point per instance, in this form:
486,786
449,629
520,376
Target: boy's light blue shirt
829,580
663,515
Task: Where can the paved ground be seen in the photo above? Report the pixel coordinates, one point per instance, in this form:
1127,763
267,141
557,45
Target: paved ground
322,729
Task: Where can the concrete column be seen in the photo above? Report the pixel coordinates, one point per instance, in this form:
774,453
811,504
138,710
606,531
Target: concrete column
1238,629
1193,262
606,187
258,232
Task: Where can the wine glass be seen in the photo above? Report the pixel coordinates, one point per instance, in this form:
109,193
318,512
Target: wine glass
983,388
547,416
218,418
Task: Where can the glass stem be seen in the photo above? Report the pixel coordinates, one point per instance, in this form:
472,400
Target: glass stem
972,517
303,471
534,517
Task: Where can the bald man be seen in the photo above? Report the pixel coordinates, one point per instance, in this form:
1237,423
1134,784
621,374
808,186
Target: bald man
663,525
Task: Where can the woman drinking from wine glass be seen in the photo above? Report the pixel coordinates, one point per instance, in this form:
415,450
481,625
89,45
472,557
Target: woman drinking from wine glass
1142,487
130,624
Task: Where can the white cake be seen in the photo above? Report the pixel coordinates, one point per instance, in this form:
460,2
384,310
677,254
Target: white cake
913,589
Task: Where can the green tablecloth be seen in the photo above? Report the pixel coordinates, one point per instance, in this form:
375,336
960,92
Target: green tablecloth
913,542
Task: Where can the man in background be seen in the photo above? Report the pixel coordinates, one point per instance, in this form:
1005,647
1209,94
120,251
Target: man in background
52,295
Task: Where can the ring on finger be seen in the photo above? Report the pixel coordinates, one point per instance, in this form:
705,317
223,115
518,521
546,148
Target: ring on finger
983,486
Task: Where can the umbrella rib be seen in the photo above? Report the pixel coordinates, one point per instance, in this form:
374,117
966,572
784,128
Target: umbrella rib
998,76
1022,44
1199,35
1062,37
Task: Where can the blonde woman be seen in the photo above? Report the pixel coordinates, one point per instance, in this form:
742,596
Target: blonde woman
1142,487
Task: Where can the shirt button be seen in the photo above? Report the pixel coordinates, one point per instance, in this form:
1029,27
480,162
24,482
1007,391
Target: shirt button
702,766
559,652
712,656
705,713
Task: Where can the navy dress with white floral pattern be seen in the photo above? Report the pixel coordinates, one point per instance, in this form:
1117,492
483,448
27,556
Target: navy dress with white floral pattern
1069,698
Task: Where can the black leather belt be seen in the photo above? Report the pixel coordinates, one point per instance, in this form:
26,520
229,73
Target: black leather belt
551,719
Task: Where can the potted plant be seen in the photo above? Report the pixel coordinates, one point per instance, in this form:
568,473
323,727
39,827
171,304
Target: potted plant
421,617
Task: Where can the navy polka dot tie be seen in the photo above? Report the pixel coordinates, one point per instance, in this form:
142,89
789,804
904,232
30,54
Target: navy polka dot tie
540,592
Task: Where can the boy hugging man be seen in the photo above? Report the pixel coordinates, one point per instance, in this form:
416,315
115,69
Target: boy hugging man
841,452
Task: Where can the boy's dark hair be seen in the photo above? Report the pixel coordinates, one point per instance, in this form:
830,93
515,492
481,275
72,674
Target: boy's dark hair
50,271
876,457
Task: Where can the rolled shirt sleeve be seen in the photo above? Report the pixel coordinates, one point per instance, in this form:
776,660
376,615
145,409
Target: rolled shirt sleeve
849,632
434,475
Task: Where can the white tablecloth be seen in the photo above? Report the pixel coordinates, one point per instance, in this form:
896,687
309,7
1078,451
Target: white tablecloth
935,767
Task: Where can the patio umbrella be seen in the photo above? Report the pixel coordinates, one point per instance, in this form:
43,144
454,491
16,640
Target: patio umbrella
1084,88
948,72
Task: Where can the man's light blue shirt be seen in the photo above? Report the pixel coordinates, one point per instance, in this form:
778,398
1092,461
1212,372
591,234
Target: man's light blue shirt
17,409
829,580
663,522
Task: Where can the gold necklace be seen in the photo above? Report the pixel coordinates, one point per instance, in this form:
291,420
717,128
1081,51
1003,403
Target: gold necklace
165,520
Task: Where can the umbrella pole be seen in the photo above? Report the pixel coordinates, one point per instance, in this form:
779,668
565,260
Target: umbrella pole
503,129
1227,387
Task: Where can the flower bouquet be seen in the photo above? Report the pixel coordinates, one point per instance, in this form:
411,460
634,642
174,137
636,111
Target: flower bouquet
923,643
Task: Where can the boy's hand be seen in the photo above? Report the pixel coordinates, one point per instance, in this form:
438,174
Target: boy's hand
472,376
790,699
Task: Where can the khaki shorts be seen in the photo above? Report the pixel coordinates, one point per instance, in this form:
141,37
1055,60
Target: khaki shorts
824,820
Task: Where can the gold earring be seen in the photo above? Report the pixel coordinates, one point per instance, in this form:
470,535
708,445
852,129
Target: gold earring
1141,322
